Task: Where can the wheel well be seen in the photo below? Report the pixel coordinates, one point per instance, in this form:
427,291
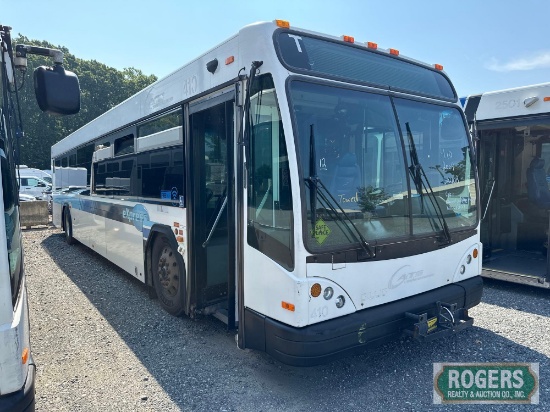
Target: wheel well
156,231
63,211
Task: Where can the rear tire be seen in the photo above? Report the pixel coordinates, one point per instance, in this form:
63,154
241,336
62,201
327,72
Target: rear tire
168,276
68,225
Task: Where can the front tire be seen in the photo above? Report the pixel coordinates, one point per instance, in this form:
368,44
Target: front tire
168,276
68,225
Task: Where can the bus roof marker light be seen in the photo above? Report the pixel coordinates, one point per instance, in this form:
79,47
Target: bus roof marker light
438,66
348,39
288,306
394,52
229,60
372,45
547,99
282,23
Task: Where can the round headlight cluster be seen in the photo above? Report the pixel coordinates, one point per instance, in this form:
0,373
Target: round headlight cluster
328,293
469,258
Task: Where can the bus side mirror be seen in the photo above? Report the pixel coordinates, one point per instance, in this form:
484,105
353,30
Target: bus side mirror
57,90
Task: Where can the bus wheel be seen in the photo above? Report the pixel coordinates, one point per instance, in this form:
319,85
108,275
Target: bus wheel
168,276
67,224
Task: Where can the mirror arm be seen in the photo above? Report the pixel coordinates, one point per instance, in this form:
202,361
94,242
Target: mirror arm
22,50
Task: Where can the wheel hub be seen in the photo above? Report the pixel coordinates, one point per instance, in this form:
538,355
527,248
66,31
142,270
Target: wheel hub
168,271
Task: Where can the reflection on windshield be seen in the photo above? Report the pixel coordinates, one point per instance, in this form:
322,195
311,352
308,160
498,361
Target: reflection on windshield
361,156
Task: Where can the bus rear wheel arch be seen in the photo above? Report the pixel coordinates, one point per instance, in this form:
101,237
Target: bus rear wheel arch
168,275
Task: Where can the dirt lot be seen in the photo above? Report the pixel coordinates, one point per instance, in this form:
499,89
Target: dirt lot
101,344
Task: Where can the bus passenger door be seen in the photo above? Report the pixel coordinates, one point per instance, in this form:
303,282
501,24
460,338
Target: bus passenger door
487,173
211,205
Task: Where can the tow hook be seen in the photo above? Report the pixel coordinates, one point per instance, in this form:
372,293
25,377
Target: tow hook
448,319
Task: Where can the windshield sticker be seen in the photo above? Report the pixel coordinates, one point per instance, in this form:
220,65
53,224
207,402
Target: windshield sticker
458,204
321,231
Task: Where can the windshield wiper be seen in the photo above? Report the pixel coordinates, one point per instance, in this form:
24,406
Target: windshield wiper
315,183
421,181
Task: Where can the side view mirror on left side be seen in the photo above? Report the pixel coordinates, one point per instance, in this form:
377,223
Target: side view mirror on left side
57,90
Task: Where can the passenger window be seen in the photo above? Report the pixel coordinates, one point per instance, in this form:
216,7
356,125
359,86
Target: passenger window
164,122
124,145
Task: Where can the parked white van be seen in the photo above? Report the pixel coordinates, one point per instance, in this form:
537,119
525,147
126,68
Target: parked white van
35,186
25,170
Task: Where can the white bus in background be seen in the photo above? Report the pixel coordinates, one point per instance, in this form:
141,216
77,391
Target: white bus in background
513,151
17,369
316,193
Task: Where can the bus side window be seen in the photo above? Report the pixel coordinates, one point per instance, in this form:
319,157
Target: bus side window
269,195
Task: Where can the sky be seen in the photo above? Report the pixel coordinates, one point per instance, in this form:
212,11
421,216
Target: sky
484,45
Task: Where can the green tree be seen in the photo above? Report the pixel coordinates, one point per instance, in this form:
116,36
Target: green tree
102,87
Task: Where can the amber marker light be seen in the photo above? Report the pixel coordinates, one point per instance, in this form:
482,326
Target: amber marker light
474,253
179,239
348,39
547,99
394,52
288,306
315,290
229,60
438,66
282,23
372,45
25,356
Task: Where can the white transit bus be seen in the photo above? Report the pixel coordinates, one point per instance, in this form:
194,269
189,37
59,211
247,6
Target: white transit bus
316,193
513,151
57,92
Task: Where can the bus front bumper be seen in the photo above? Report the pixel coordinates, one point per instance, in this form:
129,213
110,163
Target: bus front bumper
22,400
325,341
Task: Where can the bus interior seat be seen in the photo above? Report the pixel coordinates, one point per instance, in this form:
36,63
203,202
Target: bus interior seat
537,186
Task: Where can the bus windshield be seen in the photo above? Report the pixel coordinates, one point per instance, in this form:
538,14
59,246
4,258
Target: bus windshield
392,167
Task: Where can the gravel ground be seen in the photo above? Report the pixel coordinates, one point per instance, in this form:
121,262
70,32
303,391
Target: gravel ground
101,344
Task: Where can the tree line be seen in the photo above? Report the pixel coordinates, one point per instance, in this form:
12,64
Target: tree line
102,87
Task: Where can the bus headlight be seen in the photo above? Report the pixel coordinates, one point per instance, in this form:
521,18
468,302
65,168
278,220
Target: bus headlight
328,292
340,301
